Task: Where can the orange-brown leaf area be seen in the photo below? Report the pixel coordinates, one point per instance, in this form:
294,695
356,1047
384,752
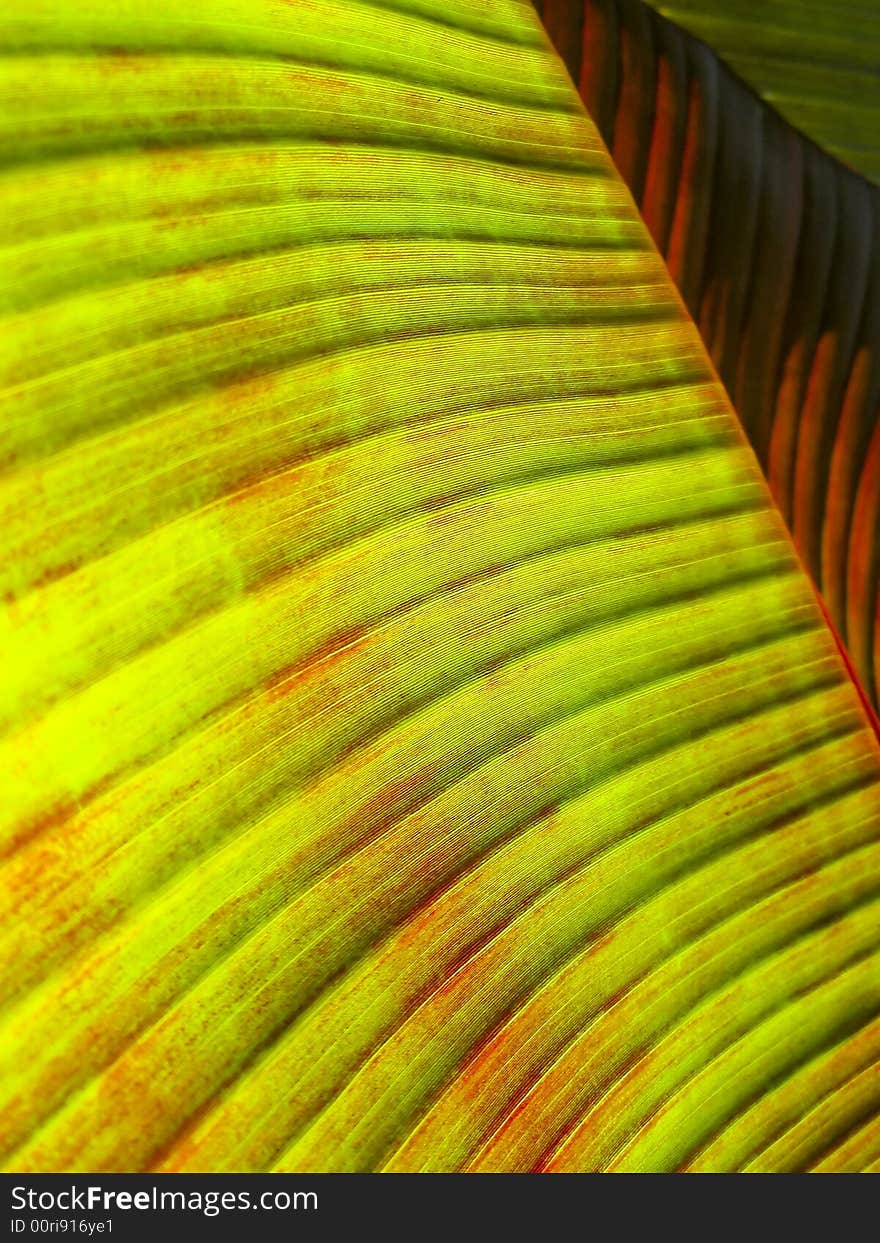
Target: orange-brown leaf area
775,247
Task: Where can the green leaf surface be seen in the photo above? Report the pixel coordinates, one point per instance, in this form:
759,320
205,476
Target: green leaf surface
815,61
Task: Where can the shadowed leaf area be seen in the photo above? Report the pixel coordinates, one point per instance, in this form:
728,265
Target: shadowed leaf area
775,247
422,746
813,60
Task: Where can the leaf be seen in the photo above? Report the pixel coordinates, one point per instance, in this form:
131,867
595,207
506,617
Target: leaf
775,247
423,748
814,61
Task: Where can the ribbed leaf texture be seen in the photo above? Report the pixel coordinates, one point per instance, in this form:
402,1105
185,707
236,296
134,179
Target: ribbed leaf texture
775,247
423,747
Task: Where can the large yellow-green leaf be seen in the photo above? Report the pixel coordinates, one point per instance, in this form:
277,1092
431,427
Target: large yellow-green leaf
423,748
